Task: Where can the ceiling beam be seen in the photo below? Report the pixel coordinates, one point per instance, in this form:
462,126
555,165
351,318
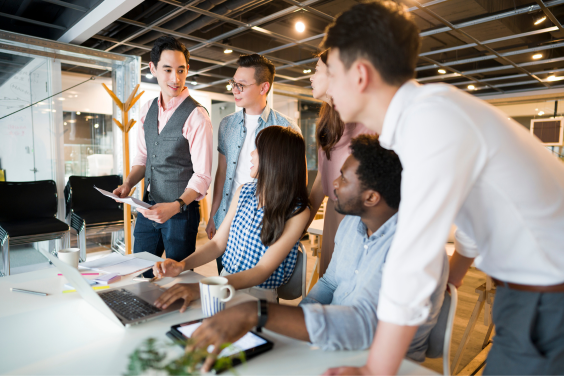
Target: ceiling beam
549,14
68,5
312,10
23,19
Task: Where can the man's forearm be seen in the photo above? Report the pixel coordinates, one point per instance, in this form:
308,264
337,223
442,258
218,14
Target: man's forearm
287,320
458,266
390,345
137,173
189,195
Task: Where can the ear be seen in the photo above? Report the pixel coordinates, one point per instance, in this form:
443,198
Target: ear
264,87
363,75
152,68
372,199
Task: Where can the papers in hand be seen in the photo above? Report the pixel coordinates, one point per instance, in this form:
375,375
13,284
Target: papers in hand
128,200
118,264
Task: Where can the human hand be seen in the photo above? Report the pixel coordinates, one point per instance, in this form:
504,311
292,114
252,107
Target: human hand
224,327
168,268
186,291
347,371
122,191
210,228
162,212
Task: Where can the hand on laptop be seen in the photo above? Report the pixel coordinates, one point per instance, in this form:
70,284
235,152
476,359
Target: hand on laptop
186,291
224,327
168,268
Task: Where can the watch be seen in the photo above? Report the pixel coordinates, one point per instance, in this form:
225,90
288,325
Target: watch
182,204
262,314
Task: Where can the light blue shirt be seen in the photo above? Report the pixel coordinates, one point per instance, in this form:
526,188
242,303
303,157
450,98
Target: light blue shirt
231,135
340,310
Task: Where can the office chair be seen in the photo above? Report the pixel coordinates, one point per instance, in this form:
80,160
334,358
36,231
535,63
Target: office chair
296,286
29,215
441,334
89,212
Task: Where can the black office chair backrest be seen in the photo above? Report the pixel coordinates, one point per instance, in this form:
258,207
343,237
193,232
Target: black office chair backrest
27,200
83,196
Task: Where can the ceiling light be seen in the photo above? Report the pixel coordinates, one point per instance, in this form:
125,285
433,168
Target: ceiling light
227,51
555,78
471,87
76,96
442,71
148,76
537,56
65,123
540,20
61,99
228,87
300,26
541,113
194,82
78,112
307,70
96,125
536,109
72,121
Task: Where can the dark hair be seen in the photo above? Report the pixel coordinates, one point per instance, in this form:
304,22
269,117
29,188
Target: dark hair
382,32
379,169
264,69
330,127
281,179
167,43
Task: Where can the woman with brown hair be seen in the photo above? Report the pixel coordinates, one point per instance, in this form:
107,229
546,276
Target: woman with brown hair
333,140
259,237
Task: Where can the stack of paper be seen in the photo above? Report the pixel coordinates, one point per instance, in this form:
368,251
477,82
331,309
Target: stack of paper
119,264
128,200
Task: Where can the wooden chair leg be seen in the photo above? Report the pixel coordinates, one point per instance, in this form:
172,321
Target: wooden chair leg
469,328
488,335
314,277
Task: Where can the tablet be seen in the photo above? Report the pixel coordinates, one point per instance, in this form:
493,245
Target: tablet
251,343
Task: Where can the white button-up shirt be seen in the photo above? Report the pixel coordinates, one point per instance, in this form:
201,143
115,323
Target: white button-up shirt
465,162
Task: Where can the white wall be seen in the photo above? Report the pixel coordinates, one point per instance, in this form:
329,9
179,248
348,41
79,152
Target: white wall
287,106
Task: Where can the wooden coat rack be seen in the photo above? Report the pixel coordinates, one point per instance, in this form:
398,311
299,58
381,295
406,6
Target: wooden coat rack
125,125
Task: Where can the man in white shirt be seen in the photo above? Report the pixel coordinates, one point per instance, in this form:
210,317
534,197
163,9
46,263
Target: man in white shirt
463,162
237,133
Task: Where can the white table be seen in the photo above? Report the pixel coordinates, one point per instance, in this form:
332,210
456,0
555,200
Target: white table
61,334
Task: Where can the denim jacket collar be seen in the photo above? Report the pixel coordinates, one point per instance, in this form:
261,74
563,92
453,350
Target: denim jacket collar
264,116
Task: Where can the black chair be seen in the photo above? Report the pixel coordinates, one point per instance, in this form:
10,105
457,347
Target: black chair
28,215
91,213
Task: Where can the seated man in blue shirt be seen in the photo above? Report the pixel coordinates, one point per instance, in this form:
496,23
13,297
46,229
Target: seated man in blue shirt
340,311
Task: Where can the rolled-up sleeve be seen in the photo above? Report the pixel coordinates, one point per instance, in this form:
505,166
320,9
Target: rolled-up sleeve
198,131
437,176
465,245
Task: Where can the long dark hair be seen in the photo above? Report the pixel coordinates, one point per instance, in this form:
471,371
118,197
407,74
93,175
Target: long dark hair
281,179
330,127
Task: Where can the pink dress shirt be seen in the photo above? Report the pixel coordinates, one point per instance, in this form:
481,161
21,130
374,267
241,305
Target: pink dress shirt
197,130
331,169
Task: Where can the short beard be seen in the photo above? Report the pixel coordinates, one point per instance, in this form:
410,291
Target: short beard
353,206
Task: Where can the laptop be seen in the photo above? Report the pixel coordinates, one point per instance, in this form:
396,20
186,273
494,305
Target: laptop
125,305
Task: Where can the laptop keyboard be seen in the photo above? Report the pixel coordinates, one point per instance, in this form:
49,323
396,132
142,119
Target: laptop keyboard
128,304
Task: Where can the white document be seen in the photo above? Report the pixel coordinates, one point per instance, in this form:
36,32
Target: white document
119,264
128,200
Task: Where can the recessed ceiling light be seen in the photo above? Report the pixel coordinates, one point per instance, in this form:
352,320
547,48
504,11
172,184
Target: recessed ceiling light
540,20
227,51
96,125
541,113
555,78
300,27
65,123
78,112
194,83
471,87
228,87
307,70
148,76
61,99
537,56
442,71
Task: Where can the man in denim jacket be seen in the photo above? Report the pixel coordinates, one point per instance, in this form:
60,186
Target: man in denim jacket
237,132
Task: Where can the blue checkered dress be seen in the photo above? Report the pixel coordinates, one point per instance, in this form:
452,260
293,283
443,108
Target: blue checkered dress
244,247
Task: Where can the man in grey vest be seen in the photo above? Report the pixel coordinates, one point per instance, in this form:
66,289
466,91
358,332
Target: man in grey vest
174,156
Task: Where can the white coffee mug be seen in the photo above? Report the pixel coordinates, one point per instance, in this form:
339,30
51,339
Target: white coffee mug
69,256
213,293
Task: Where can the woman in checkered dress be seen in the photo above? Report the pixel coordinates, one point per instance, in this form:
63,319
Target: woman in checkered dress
260,235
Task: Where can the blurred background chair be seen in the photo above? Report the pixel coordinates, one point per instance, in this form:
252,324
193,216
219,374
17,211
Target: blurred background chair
296,286
90,213
441,335
29,215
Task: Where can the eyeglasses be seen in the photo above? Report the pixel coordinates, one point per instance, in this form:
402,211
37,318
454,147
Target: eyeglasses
239,87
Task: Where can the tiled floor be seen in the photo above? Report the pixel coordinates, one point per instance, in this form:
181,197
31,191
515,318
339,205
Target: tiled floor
26,258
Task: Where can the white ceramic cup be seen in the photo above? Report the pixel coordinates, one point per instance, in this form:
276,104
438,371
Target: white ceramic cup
69,256
213,293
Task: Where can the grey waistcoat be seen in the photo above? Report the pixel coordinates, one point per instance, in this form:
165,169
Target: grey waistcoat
169,163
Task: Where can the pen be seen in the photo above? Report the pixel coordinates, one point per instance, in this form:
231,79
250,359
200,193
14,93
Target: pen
29,292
